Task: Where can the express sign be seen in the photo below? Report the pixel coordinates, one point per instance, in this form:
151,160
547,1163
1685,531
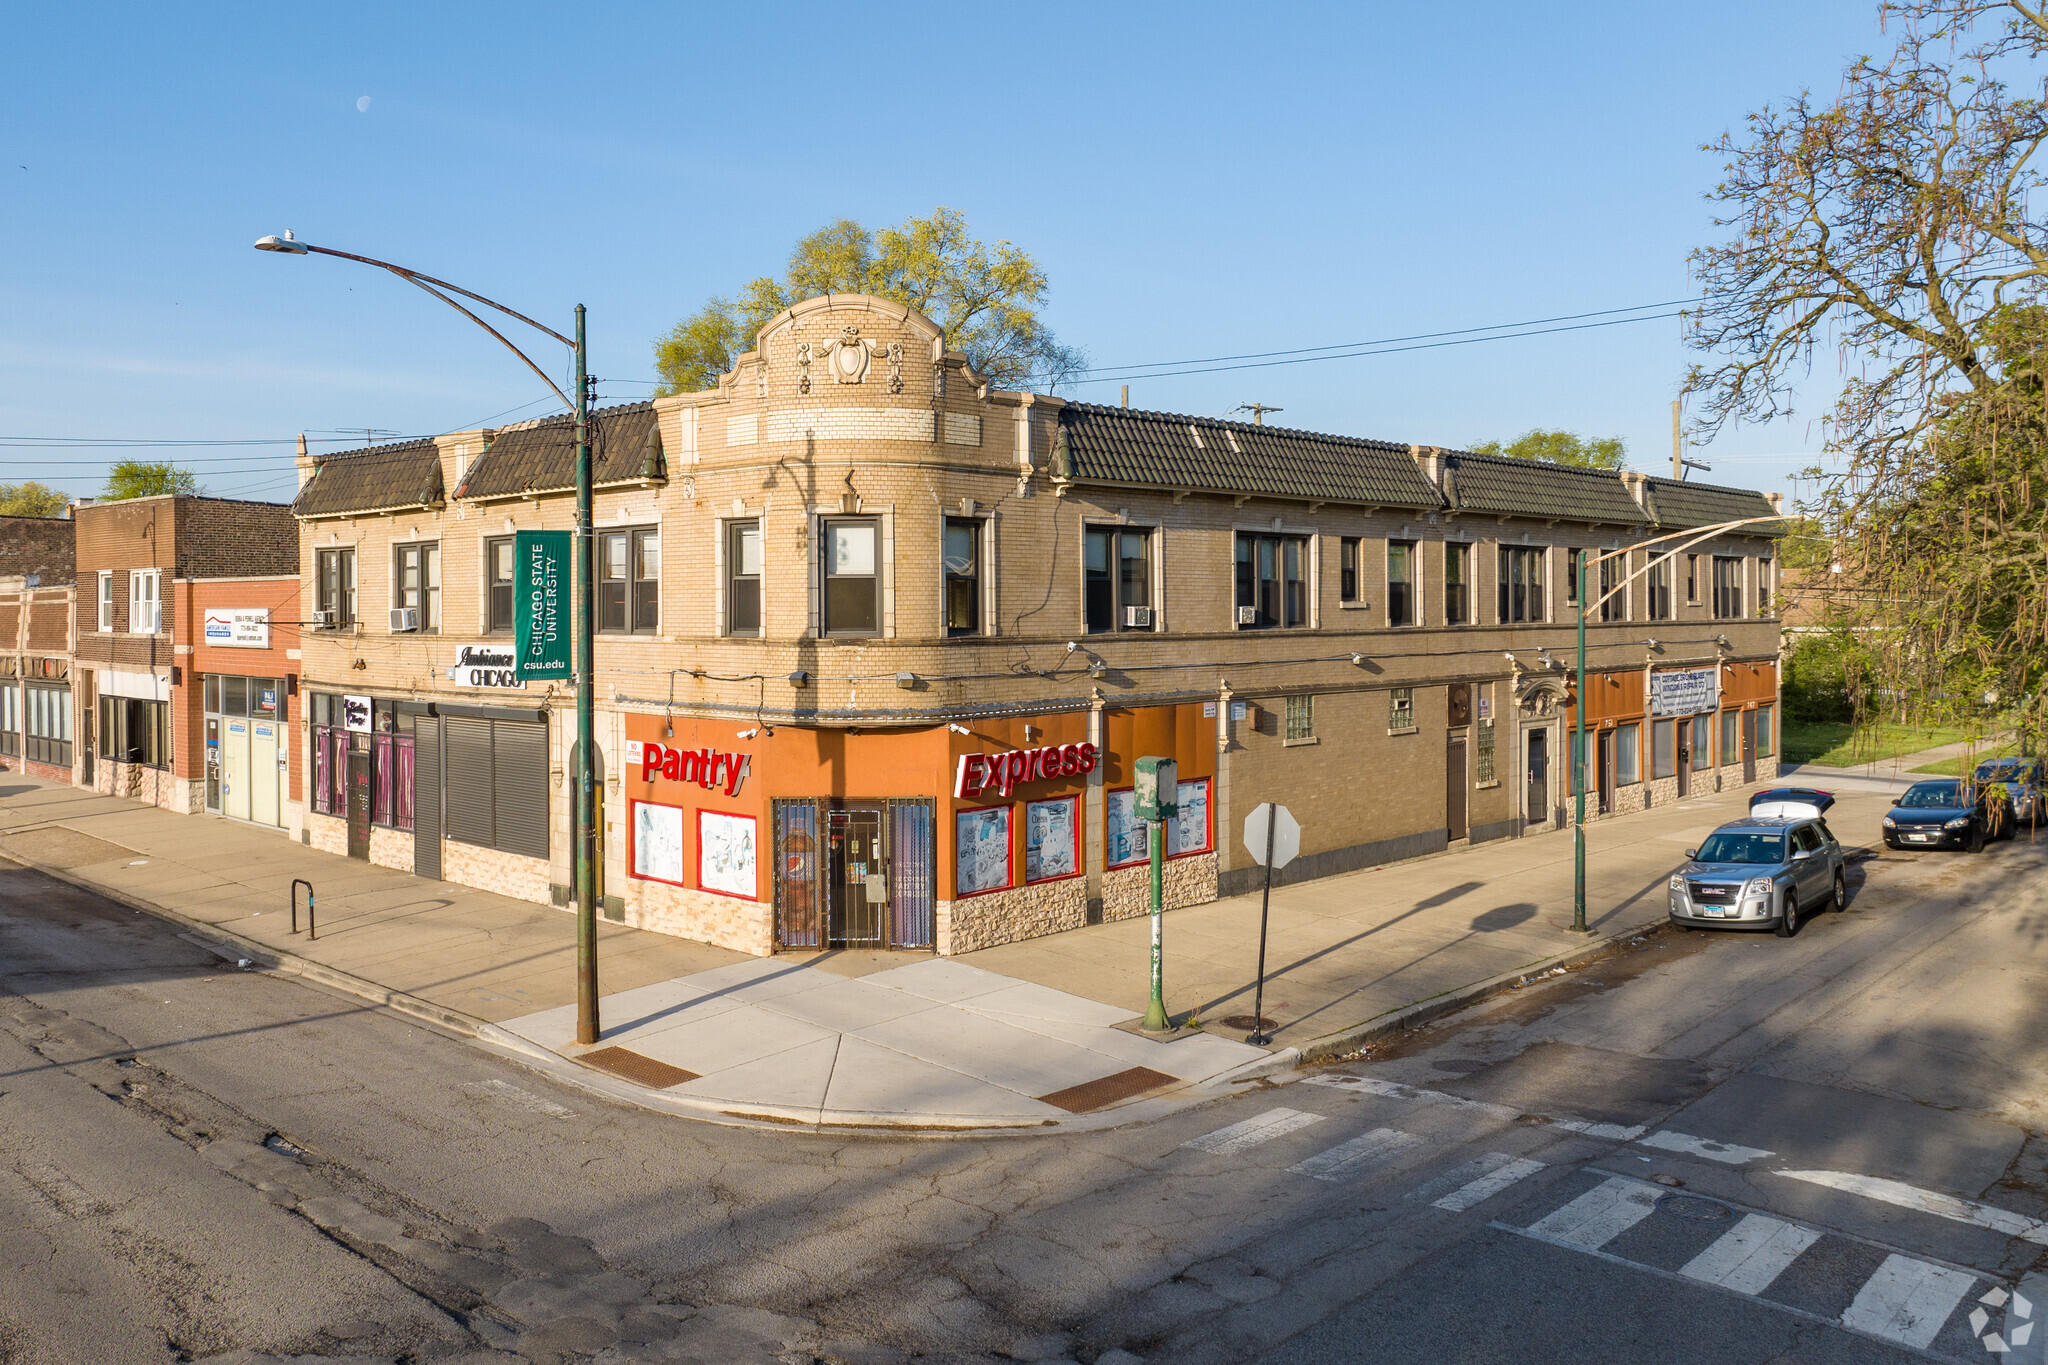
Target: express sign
981,772
708,768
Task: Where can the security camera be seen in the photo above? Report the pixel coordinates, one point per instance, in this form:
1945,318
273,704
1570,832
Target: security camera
958,728
749,733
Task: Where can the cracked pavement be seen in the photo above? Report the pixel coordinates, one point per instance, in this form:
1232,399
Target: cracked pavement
201,1164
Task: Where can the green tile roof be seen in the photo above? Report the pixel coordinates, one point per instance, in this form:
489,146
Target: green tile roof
1680,505
1538,488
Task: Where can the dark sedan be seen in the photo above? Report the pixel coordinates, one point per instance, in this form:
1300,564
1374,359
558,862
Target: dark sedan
1945,813
2023,780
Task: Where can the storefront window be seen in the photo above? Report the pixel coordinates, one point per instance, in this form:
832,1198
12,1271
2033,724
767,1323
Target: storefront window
1702,742
1663,748
135,731
1123,840
10,719
727,861
1482,752
1765,731
981,850
1628,768
1731,737
1052,839
657,833
391,761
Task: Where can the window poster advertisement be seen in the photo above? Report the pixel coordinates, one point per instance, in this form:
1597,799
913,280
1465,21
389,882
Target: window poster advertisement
658,842
1190,832
1125,833
1051,839
981,850
726,855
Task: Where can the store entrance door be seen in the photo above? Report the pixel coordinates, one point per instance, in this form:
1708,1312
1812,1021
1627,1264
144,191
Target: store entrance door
234,784
857,880
1536,802
264,807
359,804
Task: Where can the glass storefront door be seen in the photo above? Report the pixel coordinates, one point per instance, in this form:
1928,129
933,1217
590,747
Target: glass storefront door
246,750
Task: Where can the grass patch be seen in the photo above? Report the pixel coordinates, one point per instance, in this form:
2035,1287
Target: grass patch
1833,745
1953,767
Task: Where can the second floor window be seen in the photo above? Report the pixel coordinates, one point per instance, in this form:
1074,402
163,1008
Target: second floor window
1520,590
1272,582
853,582
1727,586
1457,584
1613,586
498,583
1301,718
743,578
1657,588
1401,583
145,602
962,562
1574,564
1401,709
1347,569
334,589
629,582
106,603
1766,597
1118,563
418,584
1692,580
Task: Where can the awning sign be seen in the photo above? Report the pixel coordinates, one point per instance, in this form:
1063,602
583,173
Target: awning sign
355,715
540,596
238,627
1684,691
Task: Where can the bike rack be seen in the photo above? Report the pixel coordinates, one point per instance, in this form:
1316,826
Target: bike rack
311,932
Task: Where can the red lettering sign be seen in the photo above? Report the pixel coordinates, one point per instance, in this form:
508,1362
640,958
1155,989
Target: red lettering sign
979,773
708,768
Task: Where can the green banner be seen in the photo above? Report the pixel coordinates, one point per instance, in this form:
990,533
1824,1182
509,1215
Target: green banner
541,602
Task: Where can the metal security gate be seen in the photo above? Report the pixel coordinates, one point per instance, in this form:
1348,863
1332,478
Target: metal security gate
912,865
797,922
426,797
857,888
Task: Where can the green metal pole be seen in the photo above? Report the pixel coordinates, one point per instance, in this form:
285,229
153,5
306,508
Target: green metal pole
1155,1013
1579,770
585,834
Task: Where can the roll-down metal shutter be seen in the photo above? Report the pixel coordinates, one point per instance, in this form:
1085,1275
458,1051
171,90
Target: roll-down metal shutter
521,782
470,781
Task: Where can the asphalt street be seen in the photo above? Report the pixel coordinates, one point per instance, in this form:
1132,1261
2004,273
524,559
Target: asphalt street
1717,1147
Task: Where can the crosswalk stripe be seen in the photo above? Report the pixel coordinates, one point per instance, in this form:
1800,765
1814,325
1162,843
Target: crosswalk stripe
1907,1300
1488,1185
1252,1131
1750,1255
1600,1214
1347,1158
1728,1152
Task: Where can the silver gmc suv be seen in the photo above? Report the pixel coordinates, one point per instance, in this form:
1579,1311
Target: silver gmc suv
1754,873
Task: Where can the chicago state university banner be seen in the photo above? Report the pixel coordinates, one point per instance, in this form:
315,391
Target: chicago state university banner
541,602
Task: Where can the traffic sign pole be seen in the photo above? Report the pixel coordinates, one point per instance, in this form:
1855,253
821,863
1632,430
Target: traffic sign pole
1259,1036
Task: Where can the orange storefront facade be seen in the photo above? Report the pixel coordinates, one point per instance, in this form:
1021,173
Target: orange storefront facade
1664,732
803,839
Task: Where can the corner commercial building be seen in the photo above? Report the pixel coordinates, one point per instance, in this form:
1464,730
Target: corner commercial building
879,646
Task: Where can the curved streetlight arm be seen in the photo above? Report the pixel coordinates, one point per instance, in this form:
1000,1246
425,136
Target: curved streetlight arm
434,287
1699,535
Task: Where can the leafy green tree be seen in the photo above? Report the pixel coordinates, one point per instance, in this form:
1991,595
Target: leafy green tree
30,499
1561,447
985,295
146,479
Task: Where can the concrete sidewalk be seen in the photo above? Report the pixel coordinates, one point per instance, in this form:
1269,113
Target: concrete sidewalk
1010,1036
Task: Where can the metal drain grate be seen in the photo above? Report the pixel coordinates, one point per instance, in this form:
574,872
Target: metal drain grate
636,1068
1079,1099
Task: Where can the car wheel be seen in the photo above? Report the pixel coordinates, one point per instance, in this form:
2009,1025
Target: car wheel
1788,918
1840,900
1976,839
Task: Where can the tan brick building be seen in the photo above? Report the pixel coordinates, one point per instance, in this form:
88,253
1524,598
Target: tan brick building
187,655
37,575
839,591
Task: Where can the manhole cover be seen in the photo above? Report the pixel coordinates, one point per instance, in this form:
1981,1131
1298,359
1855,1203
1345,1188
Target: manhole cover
1692,1206
1247,1023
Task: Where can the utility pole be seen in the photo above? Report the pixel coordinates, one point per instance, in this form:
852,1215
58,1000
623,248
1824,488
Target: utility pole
587,1027
1258,412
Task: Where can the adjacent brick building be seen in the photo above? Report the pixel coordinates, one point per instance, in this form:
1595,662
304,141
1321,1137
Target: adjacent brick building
37,604
840,590
187,655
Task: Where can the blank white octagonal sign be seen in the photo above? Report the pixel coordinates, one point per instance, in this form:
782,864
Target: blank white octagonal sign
1286,834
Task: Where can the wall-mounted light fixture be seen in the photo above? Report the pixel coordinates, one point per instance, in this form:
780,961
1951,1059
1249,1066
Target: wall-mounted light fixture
800,678
1098,669
1358,661
749,733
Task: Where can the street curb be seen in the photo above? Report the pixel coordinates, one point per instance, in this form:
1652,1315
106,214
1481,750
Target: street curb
1332,1046
232,946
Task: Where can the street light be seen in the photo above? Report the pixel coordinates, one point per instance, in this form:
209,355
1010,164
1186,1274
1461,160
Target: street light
1586,607
584,835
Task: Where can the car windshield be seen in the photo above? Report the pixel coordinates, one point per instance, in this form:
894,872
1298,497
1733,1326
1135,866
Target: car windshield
1742,846
2009,771
1932,795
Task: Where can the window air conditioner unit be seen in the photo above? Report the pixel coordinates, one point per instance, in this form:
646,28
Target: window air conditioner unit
404,619
323,620
1138,616
1247,616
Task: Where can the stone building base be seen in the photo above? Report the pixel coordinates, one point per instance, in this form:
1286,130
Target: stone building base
983,921
157,786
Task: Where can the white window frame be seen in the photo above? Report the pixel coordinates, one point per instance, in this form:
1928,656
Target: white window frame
106,601
145,610
429,604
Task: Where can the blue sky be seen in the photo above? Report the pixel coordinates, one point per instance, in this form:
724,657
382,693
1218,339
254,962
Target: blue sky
1198,181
